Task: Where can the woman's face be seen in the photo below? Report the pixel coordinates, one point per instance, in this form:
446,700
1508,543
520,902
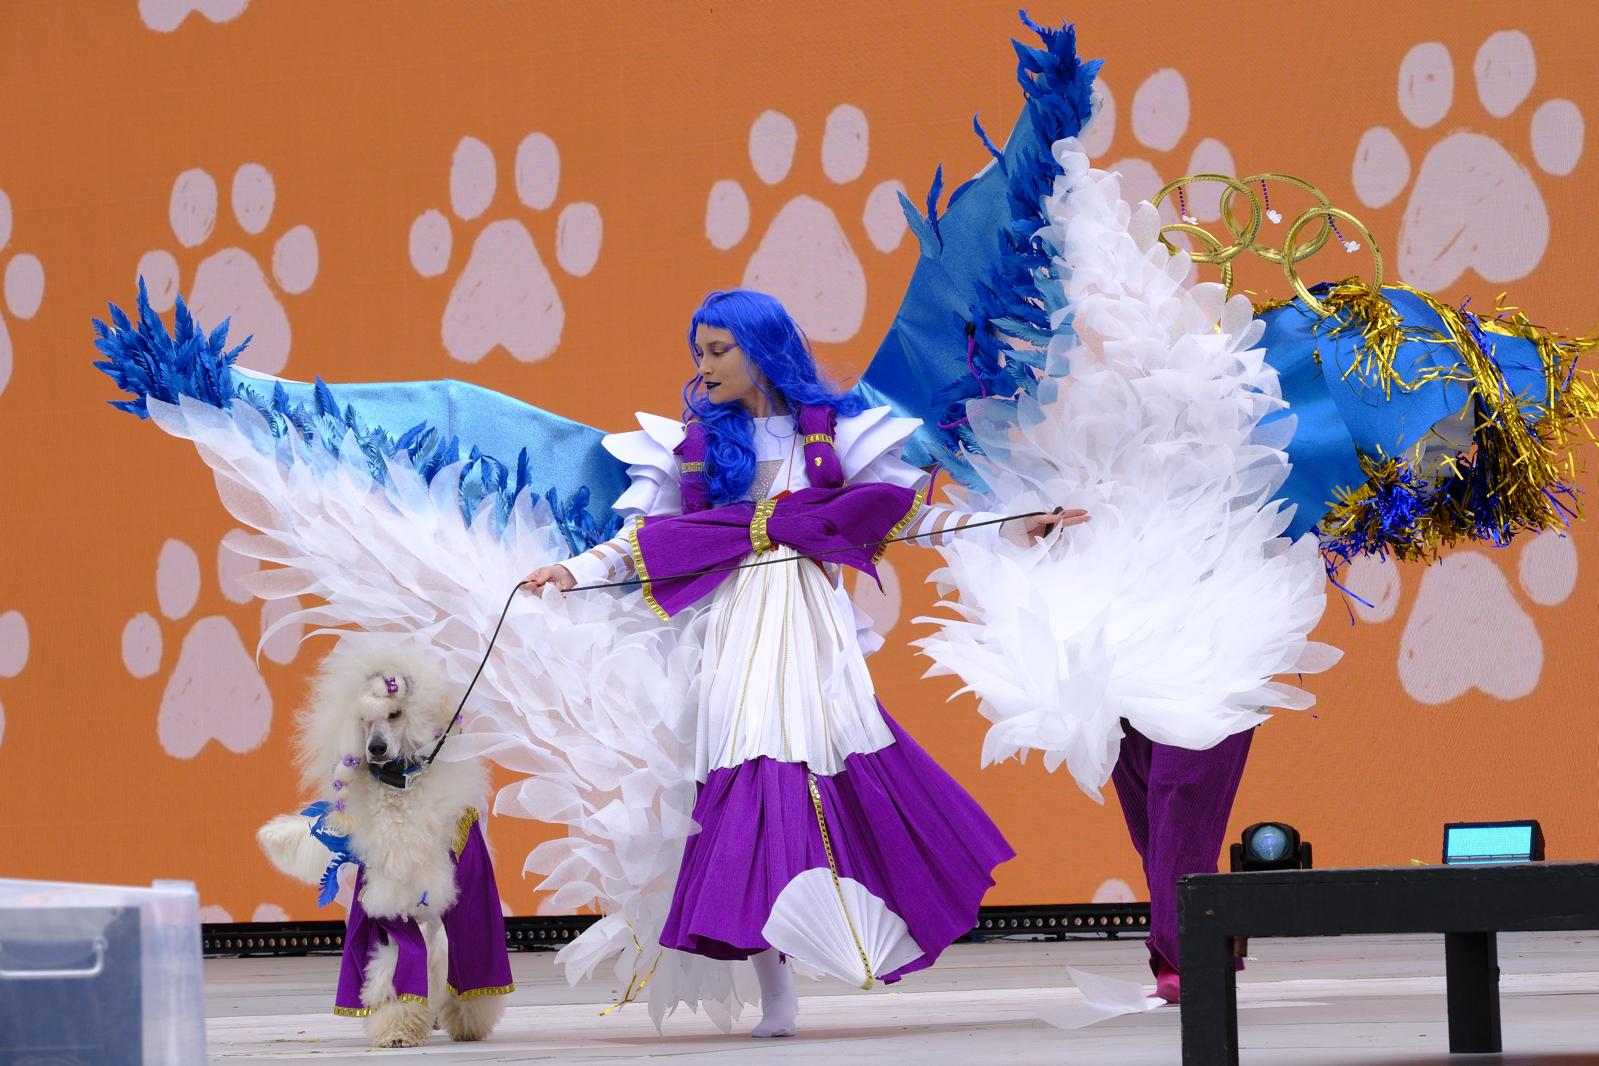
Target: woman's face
725,370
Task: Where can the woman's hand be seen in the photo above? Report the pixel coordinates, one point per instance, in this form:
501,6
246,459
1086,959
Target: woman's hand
1036,527
556,575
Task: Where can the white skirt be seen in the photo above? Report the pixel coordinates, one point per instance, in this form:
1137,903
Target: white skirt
784,673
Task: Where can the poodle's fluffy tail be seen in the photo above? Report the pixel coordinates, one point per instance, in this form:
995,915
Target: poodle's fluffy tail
288,842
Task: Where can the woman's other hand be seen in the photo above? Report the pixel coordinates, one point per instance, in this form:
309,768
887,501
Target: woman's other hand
1036,527
556,575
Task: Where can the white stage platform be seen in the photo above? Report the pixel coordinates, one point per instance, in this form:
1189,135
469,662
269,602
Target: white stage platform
1372,1001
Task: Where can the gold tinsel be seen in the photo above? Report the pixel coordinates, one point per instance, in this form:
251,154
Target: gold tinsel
1520,449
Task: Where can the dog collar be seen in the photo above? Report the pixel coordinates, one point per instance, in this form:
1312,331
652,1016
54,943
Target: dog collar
397,773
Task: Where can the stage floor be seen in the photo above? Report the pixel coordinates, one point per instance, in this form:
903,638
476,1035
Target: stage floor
1373,1001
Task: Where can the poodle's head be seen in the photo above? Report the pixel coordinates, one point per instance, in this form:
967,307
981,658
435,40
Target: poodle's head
377,699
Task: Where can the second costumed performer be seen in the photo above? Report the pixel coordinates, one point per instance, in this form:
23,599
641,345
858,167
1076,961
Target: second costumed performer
826,834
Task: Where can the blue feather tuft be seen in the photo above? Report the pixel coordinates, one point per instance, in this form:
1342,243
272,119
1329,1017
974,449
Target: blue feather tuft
973,320
982,135
336,843
147,361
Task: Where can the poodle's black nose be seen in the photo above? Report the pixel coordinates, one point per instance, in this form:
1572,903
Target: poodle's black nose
377,747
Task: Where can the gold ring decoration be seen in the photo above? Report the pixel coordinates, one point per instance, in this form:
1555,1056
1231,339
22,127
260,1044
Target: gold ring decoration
1289,253
1215,249
1291,266
1242,240
1268,252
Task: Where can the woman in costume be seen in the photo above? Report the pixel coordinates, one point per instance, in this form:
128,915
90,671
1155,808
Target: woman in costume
826,834
1050,350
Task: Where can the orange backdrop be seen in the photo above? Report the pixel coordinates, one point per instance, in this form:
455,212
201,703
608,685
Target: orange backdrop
360,187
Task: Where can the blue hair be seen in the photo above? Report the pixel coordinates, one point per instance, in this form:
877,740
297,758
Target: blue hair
773,345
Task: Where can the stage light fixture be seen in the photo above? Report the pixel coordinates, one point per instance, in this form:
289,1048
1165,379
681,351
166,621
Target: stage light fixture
1486,842
1271,846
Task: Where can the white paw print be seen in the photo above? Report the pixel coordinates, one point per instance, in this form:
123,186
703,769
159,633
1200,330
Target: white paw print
504,296
1114,890
214,691
164,16
1160,115
216,914
230,282
804,258
1468,629
13,653
1474,205
24,288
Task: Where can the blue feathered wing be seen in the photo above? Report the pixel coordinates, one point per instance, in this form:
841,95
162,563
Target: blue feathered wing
1415,425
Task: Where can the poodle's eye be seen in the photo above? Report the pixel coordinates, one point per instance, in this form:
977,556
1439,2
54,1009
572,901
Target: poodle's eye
393,715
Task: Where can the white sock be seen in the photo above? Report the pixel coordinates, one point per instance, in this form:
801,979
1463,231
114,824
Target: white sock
779,1004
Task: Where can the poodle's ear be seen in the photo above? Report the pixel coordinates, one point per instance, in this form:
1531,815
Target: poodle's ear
330,732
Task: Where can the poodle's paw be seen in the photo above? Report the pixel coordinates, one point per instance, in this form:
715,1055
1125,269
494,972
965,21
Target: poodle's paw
288,843
473,1018
399,1023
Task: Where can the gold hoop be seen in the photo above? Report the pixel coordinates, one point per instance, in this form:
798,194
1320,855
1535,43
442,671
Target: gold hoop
1220,254
1267,252
1215,244
1291,266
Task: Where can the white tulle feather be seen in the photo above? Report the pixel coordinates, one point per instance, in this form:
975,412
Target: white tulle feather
1177,605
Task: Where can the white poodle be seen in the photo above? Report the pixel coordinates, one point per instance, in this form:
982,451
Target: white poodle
425,941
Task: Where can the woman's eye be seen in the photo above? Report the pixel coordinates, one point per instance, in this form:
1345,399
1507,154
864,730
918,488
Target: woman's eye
393,715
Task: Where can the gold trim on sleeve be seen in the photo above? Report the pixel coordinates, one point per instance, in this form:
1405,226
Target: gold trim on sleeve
900,526
478,993
818,438
693,468
367,1012
643,572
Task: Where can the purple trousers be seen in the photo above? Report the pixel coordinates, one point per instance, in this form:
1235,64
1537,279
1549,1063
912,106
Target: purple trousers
474,925
1176,802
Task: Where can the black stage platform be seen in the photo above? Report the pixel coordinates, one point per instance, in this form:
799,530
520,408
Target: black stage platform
1469,905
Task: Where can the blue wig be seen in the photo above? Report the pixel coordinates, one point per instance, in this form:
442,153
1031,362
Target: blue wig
779,359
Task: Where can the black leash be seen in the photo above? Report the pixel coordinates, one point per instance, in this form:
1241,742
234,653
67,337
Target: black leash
632,581
394,775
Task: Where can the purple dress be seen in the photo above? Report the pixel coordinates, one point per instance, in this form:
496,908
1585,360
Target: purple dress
478,962
825,830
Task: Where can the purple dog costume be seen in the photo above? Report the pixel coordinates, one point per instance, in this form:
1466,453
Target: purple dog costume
479,964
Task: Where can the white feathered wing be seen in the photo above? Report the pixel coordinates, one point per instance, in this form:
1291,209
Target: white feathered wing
587,698
1179,603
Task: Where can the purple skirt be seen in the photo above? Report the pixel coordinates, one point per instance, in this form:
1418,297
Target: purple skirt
897,823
